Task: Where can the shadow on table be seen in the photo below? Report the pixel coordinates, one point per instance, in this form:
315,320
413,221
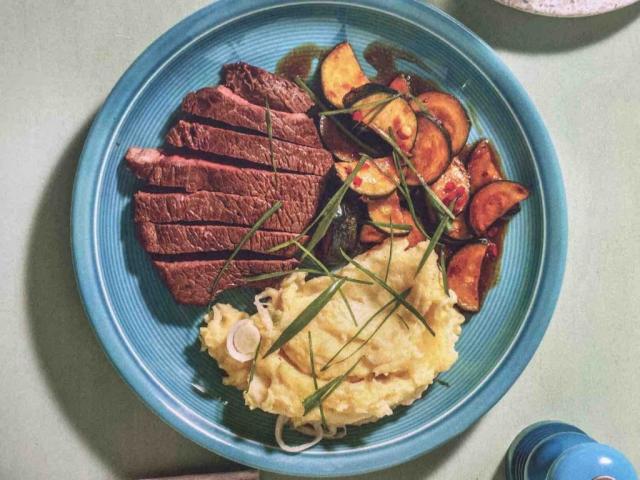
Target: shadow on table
123,433
510,29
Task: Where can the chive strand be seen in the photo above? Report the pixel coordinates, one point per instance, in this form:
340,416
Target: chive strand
315,381
389,289
365,148
265,216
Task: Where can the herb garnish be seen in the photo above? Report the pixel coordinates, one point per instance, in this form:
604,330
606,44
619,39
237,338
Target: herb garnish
404,190
442,382
255,360
386,271
314,259
313,400
357,334
326,214
363,146
443,270
265,216
363,344
314,271
328,218
433,198
270,136
393,226
305,316
377,103
432,242
389,289
315,380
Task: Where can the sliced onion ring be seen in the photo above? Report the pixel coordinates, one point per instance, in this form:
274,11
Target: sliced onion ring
280,424
245,333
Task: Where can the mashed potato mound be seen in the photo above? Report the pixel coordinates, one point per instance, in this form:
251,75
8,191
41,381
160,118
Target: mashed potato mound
397,364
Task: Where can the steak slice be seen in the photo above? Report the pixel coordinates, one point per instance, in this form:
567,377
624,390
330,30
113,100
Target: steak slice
189,281
293,217
256,85
166,239
222,105
191,174
252,148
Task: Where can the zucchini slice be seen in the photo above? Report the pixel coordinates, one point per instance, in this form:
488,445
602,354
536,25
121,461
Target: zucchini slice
396,114
448,109
400,84
482,165
370,234
453,186
493,201
377,177
431,152
387,210
337,142
463,274
340,73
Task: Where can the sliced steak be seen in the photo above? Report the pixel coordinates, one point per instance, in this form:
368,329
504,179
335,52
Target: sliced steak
189,281
256,84
174,239
252,148
191,174
222,105
293,217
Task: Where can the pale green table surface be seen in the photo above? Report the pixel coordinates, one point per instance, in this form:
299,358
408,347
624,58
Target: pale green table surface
64,411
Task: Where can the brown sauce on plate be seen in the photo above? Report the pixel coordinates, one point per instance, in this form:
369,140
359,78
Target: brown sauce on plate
298,62
383,58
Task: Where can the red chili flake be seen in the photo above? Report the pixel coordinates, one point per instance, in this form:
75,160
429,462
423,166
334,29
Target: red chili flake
448,199
357,181
460,202
492,250
493,232
460,191
449,187
357,116
364,166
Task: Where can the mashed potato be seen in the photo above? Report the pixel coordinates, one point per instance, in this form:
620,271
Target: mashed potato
397,364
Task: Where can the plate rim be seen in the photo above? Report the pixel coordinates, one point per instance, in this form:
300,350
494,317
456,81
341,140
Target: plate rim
99,312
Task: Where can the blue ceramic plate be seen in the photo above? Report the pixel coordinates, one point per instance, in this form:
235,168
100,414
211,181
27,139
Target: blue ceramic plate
152,341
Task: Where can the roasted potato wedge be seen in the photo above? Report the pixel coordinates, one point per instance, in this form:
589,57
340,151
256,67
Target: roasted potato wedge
340,73
377,177
492,202
482,165
453,186
463,274
451,113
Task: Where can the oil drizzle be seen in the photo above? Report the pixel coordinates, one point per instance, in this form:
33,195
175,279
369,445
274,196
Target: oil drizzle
298,61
